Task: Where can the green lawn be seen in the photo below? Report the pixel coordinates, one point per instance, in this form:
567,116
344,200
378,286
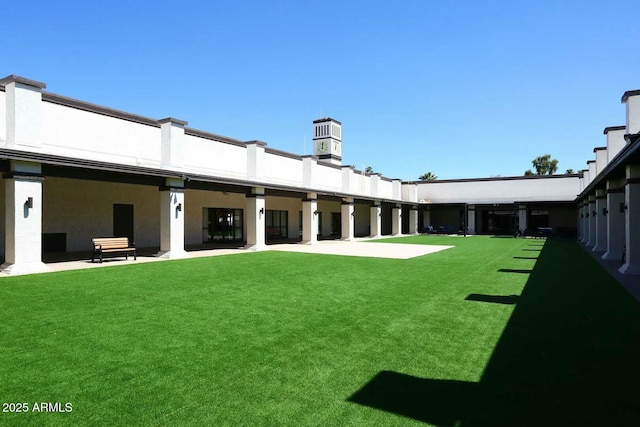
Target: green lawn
495,331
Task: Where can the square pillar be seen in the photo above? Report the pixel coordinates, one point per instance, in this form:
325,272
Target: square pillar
256,215
413,220
310,219
23,111
522,217
584,217
471,219
172,143
579,221
255,159
591,224
601,222
348,220
23,219
632,221
172,211
375,220
615,223
396,220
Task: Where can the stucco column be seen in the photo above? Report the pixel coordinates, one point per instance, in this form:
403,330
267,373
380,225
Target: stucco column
585,221
23,219
396,220
580,216
632,221
615,223
592,221
471,219
426,219
23,111
310,219
601,222
172,143
348,220
256,219
413,220
375,220
522,217
172,211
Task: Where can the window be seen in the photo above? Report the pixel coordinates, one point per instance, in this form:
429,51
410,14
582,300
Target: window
277,224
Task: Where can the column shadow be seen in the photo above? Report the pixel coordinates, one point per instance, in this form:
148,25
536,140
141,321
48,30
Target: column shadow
568,356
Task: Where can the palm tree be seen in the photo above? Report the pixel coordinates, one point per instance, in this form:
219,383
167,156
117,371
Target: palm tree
429,176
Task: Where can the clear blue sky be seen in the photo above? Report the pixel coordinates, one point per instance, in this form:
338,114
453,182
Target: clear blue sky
459,88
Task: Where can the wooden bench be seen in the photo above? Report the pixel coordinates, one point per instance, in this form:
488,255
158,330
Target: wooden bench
102,245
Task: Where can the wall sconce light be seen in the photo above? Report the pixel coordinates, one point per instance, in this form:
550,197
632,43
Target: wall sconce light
315,212
353,214
261,210
29,203
581,215
587,214
623,207
594,213
179,207
605,211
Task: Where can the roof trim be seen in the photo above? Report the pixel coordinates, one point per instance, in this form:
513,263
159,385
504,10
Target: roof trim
628,94
282,153
12,78
326,119
98,109
214,137
612,128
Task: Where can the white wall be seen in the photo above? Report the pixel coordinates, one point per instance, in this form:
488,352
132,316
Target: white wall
3,119
327,178
385,189
282,170
500,190
77,133
205,156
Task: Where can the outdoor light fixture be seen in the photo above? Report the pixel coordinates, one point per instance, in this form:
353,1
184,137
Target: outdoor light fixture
623,207
595,213
179,207
353,214
604,211
315,212
262,210
29,203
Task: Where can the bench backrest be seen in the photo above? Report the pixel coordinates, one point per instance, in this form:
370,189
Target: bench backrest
110,242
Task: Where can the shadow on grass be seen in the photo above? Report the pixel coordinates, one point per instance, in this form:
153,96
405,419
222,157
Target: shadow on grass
525,257
532,250
568,356
515,270
496,299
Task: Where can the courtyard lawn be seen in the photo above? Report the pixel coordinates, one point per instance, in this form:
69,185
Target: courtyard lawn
495,331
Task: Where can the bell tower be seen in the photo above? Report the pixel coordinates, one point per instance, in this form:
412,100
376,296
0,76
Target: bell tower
327,140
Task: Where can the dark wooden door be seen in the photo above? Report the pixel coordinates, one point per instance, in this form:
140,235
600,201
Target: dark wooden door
123,221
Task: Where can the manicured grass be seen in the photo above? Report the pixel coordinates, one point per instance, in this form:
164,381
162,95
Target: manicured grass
496,331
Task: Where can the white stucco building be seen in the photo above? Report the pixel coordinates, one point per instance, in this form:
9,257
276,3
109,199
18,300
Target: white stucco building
73,171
